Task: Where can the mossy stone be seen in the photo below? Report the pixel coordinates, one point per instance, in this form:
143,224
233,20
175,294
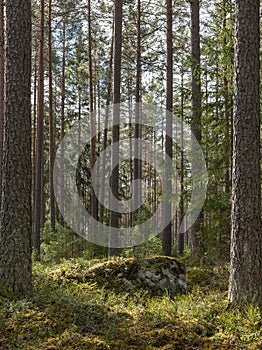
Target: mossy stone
156,275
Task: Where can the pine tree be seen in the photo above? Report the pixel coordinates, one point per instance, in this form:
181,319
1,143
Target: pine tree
196,107
167,207
51,120
39,180
16,227
245,284
2,71
116,118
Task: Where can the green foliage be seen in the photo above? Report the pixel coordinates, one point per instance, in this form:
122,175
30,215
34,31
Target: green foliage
70,314
65,244
151,247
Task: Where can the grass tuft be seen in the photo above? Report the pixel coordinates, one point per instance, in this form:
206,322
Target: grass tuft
70,313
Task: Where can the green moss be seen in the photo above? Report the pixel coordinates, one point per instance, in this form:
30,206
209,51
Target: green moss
207,278
68,313
125,275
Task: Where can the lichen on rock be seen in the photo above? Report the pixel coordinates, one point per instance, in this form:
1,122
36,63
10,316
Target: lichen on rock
157,275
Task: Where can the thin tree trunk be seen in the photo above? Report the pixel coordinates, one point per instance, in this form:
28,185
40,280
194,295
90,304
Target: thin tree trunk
34,130
62,122
38,205
137,162
196,110
167,205
51,121
94,201
105,133
114,222
181,237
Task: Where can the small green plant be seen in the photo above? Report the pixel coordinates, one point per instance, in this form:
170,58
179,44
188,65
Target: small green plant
254,317
65,244
66,312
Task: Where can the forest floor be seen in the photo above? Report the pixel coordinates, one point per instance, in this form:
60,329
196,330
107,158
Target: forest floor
66,313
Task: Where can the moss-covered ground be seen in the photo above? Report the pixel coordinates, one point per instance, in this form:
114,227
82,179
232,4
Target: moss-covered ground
70,313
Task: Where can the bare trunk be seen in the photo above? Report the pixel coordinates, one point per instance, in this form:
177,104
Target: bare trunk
2,83
167,205
196,111
34,130
62,122
181,237
94,201
105,132
38,205
245,283
51,121
16,216
114,222
137,162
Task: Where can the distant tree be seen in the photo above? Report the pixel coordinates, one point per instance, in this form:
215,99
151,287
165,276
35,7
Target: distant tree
94,200
196,108
167,233
62,116
51,120
137,162
181,237
15,218
105,131
245,283
39,180
116,118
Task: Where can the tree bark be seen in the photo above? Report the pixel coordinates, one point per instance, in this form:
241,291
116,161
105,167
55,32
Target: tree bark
167,205
196,111
2,71
181,236
51,121
245,283
137,161
34,128
94,201
105,131
116,118
16,219
38,205
62,121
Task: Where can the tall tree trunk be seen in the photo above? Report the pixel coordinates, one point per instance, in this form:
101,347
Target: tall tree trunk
94,201
167,205
105,131
2,82
34,130
116,118
226,97
51,121
245,283
62,121
137,161
38,205
227,116
196,110
181,237
16,219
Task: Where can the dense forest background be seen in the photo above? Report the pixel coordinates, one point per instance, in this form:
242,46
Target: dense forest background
194,66
66,52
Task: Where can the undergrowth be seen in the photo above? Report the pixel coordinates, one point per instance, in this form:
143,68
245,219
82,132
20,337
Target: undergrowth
73,315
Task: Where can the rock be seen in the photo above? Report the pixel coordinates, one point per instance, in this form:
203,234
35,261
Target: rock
157,275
